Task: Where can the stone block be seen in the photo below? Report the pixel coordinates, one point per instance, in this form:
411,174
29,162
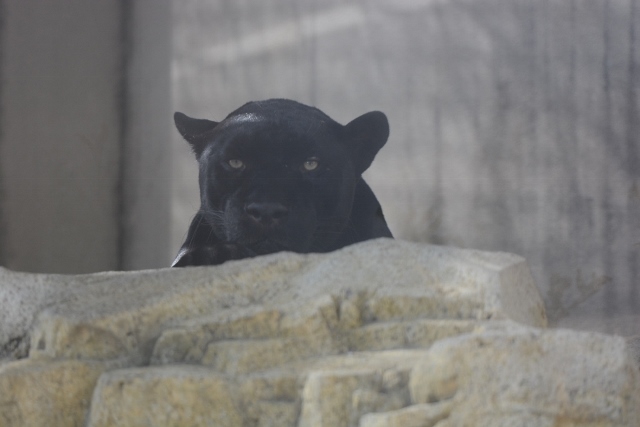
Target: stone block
36,393
165,396
244,356
540,378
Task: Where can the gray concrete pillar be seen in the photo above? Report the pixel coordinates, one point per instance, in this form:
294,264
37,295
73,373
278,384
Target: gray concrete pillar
148,125
81,136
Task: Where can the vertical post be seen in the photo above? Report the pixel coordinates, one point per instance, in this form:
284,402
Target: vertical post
84,130
145,156
60,126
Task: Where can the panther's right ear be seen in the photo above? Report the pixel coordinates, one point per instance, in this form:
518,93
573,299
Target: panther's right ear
367,134
194,131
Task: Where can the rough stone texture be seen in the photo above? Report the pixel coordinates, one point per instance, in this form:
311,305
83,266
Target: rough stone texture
378,281
419,415
173,396
384,333
36,393
531,377
22,296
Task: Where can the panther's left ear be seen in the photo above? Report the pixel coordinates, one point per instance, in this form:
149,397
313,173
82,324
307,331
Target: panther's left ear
366,135
194,131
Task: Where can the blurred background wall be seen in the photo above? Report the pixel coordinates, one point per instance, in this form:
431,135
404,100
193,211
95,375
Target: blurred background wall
85,114
514,126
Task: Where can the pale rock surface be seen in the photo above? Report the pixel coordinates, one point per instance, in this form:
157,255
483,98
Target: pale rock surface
172,396
531,377
47,392
418,415
22,296
108,315
384,333
308,393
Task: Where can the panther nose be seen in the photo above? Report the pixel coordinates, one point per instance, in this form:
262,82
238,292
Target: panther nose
266,213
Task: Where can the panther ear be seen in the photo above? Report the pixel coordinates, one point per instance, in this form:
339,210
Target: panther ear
193,130
366,135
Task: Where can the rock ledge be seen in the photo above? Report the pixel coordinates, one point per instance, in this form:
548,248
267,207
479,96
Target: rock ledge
384,333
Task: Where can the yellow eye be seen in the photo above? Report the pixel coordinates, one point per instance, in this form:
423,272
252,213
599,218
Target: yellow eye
310,164
236,164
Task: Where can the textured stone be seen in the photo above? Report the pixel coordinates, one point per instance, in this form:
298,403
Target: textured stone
169,396
421,415
501,374
47,393
303,393
381,280
385,333
531,377
338,390
22,297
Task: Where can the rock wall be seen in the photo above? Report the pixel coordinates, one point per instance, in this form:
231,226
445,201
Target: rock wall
384,333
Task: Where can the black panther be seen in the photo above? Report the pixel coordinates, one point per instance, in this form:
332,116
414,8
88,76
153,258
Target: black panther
278,175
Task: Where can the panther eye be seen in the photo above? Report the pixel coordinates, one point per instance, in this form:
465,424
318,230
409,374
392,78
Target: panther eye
236,164
310,164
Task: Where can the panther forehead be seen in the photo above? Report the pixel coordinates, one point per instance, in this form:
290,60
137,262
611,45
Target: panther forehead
243,118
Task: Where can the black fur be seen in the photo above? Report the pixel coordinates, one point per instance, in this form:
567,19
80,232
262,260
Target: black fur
277,175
